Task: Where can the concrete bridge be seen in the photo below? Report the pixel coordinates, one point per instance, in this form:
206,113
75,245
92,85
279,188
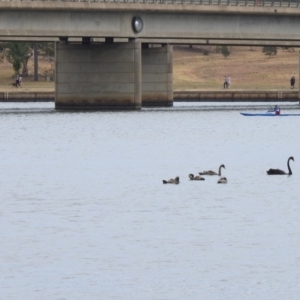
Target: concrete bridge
103,57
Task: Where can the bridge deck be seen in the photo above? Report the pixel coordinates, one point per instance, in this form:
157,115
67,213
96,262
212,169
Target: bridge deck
164,20
247,3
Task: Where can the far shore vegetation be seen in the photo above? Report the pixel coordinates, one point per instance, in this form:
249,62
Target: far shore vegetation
194,67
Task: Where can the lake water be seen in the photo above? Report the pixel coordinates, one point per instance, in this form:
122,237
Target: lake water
84,213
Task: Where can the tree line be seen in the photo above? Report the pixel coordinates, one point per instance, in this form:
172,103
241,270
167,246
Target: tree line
18,53
267,50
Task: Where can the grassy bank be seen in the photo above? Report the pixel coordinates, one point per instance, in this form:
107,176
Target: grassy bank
248,67
28,84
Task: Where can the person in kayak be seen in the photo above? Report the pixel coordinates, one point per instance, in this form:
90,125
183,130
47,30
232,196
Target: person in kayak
277,110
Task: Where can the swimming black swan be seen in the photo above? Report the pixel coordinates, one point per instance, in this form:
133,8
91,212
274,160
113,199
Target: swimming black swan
192,177
280,172
222,180
175,181
212,172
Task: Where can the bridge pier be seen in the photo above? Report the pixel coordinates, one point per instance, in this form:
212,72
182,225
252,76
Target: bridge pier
98,76
112,75
157,76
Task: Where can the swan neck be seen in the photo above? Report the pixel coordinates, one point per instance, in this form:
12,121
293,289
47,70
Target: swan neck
220,170
288,164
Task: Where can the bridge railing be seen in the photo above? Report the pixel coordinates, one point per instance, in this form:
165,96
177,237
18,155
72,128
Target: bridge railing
262,3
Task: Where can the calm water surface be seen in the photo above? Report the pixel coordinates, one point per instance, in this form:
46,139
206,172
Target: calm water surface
84,213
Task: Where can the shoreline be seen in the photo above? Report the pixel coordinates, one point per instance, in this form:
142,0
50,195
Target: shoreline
179,96
237,95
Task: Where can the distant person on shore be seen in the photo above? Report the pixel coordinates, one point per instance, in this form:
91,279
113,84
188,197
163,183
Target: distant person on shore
293,82
17,80
226,82
20,81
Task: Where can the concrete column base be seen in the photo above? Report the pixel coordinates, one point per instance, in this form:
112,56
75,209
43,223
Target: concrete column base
103,76
157,76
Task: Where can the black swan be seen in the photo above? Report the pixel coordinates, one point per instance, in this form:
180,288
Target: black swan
281,172
212,172
192,177
175,181
222,180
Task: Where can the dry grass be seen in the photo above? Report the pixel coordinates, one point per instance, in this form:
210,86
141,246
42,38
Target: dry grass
7,77
249,69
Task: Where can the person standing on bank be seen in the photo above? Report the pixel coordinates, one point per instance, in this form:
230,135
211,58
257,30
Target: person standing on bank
17,80
228,81
293,82
20,81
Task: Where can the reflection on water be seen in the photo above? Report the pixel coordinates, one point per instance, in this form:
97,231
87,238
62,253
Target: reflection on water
84,213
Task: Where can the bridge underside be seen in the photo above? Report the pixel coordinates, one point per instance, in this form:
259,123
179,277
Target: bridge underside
211,42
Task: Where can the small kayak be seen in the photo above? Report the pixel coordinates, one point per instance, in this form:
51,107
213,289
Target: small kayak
267,114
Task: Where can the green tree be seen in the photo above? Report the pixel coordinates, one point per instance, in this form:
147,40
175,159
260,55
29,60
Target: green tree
269,50
225,51
18,54
2,46
218,49
288,48
2,49
46,49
